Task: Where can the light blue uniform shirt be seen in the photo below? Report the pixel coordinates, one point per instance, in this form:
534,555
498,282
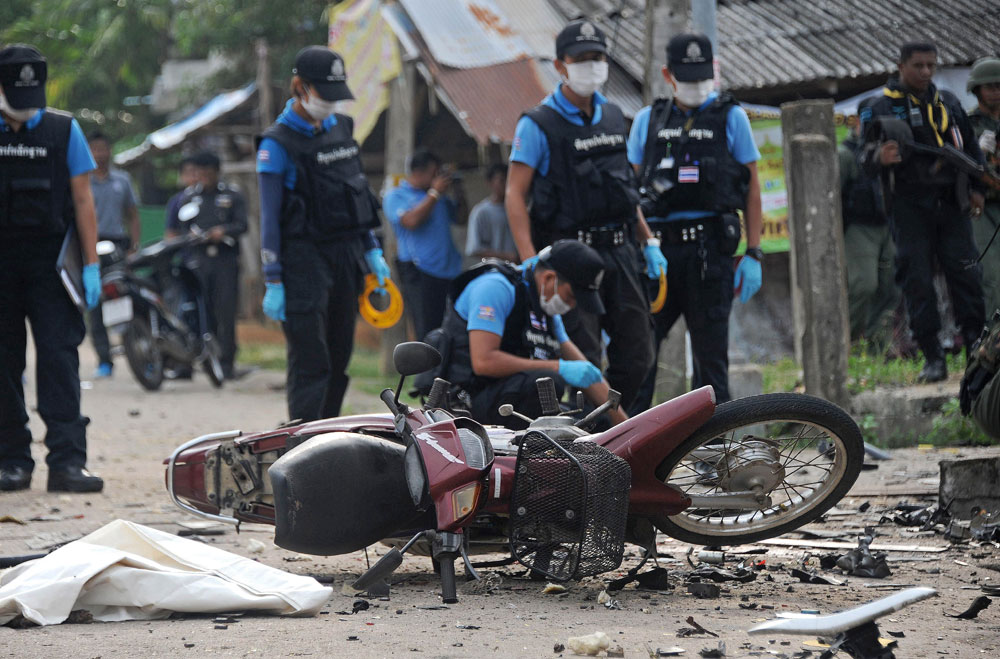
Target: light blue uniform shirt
78,157
487,301
530,145
429,246
739,139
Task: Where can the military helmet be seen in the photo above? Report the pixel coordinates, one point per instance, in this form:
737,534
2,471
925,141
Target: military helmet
984,71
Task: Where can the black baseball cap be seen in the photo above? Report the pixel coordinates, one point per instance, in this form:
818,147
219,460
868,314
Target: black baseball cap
689,58
580,36
582,267
325,70
22,75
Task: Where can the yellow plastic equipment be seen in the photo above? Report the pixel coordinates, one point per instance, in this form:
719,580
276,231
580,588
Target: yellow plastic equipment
661,296
376,318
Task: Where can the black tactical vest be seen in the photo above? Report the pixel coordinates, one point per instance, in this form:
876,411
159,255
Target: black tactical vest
691,153
35,195
528,332
589,182
331,198
215,208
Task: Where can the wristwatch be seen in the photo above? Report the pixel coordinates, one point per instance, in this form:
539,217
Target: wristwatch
756,253
434,194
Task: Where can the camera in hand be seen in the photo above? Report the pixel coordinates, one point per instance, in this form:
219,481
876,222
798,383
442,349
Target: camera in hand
652,194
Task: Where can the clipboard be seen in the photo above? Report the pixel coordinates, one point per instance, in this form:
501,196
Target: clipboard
69,267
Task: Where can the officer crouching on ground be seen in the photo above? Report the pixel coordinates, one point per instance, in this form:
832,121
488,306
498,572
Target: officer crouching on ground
220,211
569,160
45,170
505,330
697,163
317,213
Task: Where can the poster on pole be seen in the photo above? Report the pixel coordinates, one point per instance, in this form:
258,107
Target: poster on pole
363,38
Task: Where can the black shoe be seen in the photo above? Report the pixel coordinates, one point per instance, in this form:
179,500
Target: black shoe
934,370
14,478
74,479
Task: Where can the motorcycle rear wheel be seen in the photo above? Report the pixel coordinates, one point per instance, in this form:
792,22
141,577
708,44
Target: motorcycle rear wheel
806,460
143,355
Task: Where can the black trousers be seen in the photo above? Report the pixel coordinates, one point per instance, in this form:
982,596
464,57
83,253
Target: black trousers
519,390
220,281
322,284
98,332
702,290
627,321
926,230
30,289
425,297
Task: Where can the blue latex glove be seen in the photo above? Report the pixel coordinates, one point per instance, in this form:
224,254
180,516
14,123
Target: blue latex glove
748,278
579,373
378,266
92,284
655,261
274,300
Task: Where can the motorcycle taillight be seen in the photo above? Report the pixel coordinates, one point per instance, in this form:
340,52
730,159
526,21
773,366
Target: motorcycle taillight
110,290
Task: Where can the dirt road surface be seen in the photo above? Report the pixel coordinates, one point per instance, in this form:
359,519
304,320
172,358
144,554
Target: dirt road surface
132,431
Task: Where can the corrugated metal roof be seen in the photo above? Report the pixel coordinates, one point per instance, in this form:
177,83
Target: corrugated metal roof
467,33
537,22
770,43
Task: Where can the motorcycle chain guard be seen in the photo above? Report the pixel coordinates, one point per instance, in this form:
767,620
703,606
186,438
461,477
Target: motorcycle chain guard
568,508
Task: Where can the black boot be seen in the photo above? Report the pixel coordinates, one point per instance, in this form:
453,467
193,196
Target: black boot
935,370
74,479
14,478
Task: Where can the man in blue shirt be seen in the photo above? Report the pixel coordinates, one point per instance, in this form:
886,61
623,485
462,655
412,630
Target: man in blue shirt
569,160
697,165
421,212
317,217
45,170
505,330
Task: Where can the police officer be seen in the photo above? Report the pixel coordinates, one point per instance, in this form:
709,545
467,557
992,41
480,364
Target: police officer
984,82
697,164
979,395
45,170
317,216
505,331
569,160
872,295
218,210
925,200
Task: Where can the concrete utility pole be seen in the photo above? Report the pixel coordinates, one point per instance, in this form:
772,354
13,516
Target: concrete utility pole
265,98
703,21
399,138
664,19
819,300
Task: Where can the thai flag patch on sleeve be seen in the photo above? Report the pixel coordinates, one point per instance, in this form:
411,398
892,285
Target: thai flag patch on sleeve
687,175
487,313
263,156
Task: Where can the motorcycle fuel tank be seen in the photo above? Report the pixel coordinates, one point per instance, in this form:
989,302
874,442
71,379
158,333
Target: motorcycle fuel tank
340,492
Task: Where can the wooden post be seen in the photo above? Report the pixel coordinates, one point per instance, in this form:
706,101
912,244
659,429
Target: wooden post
265,97
819,300
399,137
664,19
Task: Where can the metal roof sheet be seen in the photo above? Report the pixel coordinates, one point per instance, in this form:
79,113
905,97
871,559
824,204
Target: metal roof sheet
769,43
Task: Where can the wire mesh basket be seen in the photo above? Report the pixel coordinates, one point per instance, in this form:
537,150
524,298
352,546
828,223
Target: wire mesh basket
568,508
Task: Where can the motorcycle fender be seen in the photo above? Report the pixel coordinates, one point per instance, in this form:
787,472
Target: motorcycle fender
339,492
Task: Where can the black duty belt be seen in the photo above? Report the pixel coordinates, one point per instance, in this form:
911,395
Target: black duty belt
609,236
686,231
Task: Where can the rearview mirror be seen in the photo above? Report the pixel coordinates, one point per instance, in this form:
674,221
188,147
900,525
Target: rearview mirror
414,357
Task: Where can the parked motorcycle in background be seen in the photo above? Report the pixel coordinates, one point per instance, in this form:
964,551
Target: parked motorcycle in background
153,298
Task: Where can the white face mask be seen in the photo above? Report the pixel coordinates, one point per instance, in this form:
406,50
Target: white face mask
555,305
585,78
693,94
318,108
21,115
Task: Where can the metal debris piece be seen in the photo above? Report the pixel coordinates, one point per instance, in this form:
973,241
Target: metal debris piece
719,575
978,604
711,653
812,577
703,590
861,562
656,579
698,629
470,627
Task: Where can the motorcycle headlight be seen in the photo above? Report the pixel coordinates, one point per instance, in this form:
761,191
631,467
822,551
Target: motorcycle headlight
416,476
477,448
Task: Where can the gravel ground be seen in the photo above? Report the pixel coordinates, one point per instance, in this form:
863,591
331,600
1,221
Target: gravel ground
132,431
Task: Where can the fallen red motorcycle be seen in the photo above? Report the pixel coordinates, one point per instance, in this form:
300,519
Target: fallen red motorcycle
561,500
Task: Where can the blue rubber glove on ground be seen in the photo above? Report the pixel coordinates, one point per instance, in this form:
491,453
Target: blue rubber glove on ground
378,266
92,284
655,261
274,300
579,373
748,278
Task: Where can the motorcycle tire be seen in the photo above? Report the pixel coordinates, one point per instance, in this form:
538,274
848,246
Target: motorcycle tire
211,364
143,356
738,460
